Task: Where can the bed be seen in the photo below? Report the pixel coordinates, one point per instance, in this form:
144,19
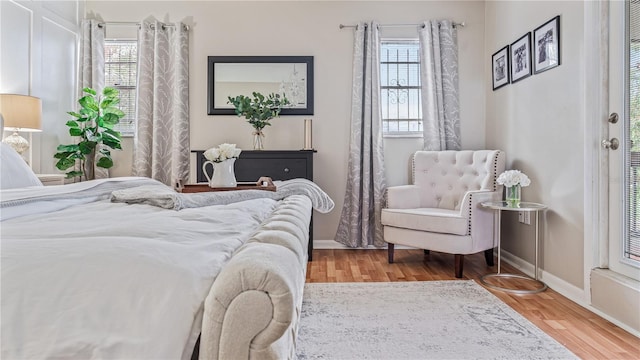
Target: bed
129,268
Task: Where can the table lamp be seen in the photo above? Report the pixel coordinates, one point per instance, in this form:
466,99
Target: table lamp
21,113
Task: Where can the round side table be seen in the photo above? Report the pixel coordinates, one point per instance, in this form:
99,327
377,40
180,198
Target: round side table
499,207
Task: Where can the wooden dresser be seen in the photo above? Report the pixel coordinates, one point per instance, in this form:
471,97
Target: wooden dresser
276,164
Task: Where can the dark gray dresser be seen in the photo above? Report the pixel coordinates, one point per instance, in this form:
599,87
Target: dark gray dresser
276,164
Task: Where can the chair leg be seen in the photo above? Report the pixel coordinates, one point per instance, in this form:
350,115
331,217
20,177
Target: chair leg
390,252
426,255
488,257
459,265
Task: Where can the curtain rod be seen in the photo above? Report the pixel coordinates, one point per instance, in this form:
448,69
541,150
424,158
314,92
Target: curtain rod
455,24
126,23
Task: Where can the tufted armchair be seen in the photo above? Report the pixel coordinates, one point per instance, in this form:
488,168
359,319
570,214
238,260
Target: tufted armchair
441,211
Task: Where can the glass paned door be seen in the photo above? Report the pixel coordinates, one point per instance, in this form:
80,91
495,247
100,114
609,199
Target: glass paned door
623,141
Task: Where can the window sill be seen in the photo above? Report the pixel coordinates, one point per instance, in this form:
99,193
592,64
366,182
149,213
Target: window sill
402,136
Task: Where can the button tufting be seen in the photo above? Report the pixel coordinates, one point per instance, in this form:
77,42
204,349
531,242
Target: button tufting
450,187
444,173
433,184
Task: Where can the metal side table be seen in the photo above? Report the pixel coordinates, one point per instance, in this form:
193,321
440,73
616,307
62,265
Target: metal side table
499,207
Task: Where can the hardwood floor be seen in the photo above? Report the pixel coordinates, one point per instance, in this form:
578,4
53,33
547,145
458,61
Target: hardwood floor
584,333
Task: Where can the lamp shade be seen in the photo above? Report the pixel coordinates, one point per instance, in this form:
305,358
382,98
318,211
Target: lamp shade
21,112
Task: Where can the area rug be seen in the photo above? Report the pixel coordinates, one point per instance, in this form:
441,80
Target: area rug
416,320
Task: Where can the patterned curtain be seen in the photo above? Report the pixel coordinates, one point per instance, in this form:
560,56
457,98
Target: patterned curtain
360,220
92,75
161,145
439,77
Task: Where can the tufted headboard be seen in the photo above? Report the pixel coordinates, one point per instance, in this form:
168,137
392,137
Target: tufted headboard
445,176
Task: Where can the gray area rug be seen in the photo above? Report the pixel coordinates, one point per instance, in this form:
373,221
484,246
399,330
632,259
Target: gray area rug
416,320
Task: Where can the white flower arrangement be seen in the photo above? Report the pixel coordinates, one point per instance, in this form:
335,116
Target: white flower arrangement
511,178
222,152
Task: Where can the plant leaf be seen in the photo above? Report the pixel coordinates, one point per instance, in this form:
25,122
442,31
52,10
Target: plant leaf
109,91
65,163
114,110
114,144
90,135
110,119
74,114
75,131
112,133
105,162
86,147
89,91
72,123
67,148
88,102
72,174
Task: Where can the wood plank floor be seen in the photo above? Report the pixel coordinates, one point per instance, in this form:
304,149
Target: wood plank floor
584,333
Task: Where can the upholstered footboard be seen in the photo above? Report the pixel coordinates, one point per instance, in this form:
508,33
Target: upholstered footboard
253,307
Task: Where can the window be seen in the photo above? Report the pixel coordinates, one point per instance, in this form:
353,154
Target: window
120,67
400,89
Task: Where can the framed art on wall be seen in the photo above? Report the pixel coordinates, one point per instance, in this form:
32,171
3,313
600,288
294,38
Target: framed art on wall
546,41
520,53
500,67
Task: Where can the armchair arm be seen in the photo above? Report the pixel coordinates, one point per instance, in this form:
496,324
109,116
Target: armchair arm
403,197
481,225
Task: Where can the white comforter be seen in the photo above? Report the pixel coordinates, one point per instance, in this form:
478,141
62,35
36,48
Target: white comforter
106,280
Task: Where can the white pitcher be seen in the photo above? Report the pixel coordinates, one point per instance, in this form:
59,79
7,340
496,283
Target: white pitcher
223,173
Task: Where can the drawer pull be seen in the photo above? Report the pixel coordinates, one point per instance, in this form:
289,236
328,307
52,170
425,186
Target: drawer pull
286,170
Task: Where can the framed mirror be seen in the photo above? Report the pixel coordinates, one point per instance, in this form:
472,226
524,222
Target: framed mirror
242,75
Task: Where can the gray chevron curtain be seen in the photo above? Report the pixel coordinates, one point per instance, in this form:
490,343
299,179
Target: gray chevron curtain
360,223
439,78
161,144
92,75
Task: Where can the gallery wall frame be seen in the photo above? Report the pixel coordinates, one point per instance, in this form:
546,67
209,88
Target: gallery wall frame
546,46
520,57
500,68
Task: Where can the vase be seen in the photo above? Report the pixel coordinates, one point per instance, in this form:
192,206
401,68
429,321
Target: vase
223,173
258,140
513,194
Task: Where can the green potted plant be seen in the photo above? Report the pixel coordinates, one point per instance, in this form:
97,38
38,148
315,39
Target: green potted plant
93,126
258,110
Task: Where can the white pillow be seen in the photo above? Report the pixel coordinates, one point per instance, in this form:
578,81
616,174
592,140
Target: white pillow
14,171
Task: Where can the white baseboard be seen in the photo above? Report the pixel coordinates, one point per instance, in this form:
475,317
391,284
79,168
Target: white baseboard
565,289
332,244
568,290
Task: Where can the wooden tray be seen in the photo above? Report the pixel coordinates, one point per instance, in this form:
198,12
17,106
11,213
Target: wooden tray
204,187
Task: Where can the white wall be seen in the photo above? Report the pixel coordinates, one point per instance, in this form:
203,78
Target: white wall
539,122
38,56
309,28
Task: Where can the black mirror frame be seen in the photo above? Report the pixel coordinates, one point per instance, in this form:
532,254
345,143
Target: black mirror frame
212,60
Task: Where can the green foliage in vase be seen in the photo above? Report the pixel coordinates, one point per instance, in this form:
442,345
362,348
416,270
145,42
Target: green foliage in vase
92,125
259,109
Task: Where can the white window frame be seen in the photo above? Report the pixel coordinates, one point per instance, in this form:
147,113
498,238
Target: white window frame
402,134
131,132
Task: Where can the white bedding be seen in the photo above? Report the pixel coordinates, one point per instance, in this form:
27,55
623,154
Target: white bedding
113,281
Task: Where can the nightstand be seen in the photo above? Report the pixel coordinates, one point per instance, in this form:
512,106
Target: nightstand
51,179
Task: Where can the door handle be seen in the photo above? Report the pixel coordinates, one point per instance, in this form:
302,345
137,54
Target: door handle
612,144
613,118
